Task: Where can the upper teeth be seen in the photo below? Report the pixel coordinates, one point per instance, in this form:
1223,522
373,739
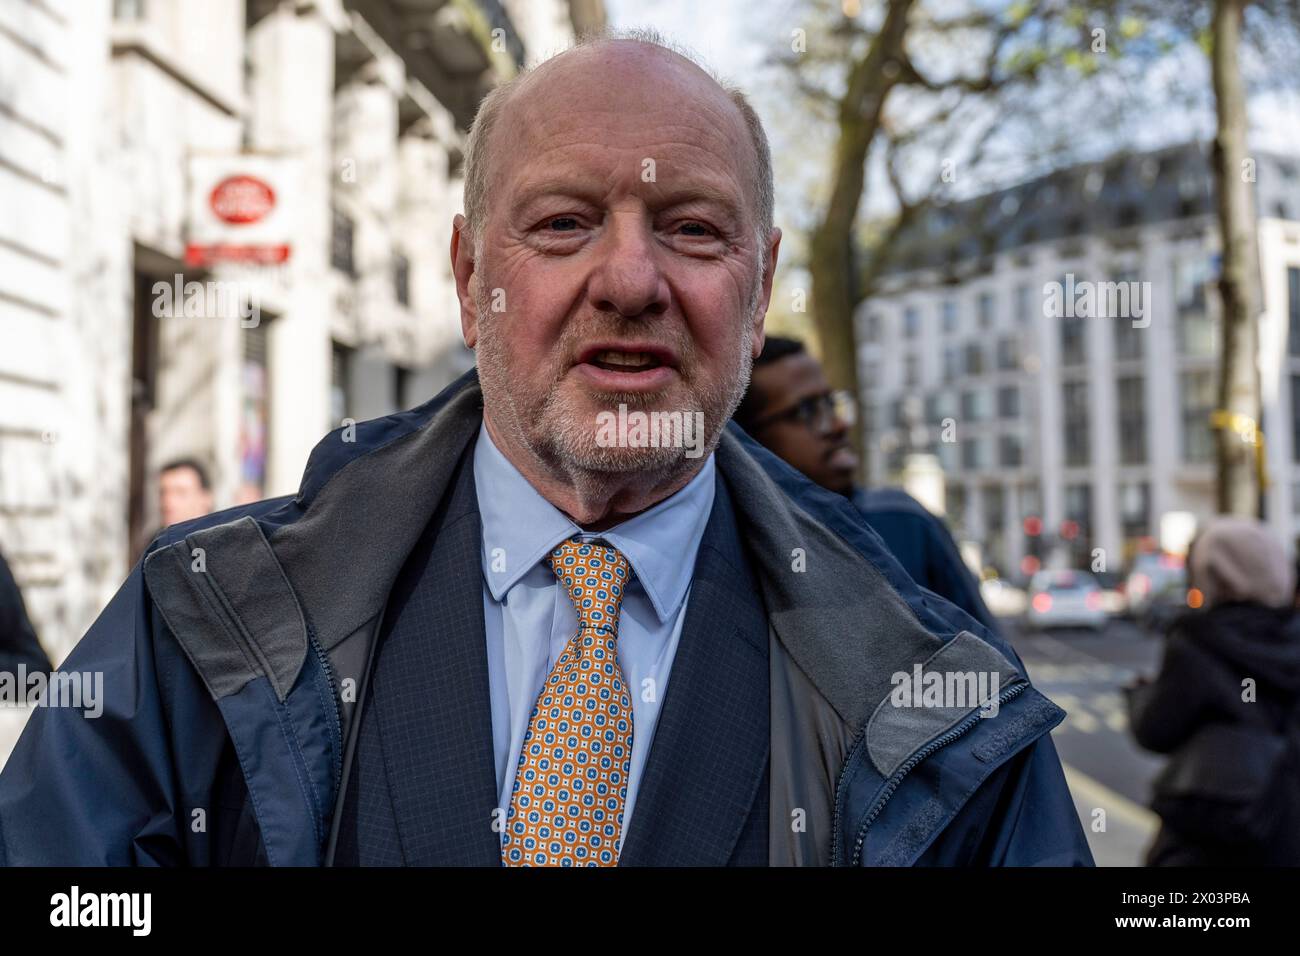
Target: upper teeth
624,358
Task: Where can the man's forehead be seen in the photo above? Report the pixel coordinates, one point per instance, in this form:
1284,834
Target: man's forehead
794,376
625,95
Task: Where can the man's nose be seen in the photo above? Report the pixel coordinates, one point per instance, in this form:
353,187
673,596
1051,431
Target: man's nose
627,279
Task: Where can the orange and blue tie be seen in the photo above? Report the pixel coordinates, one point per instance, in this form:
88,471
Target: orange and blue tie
566,806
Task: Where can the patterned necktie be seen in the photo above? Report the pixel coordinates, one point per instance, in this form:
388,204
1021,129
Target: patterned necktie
566,806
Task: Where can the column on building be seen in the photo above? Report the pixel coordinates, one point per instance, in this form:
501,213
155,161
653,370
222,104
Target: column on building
291,51
365,140
430,196
1103,426
1050,425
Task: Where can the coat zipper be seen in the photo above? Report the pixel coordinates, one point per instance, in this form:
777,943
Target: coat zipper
839,788
334,703
896,778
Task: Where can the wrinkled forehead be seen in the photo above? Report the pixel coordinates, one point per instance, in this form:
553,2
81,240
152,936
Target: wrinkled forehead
609,109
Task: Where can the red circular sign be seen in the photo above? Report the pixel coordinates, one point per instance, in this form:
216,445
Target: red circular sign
241,200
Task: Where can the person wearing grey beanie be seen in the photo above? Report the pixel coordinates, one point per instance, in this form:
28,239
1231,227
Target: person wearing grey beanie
1226,707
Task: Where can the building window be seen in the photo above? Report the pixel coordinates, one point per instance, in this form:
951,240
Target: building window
1078,509
985,310
974,358
1024,305
1197,403
911,322
402,279
1128,338
1008,401
1135,509
1072,340
897,409
1196,330
911,370
952,363
956,504
1008,353
401,386
1011,450
995,502
949,315
945,405
341,237
340,383
872,330
972,454
253,422
1075,412
1293,309
1295,417
1132,420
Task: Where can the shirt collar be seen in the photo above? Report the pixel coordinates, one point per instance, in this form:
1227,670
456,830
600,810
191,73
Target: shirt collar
520,528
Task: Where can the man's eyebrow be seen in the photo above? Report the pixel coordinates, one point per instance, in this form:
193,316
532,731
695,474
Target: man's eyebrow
664,198
541,189
702,192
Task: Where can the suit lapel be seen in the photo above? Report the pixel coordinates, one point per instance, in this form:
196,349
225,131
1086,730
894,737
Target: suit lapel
432,696
710,751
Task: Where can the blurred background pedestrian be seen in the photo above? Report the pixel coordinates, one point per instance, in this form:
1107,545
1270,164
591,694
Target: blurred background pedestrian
1226,707
791,409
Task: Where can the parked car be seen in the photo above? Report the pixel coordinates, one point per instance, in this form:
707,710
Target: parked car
1064,599
1113,586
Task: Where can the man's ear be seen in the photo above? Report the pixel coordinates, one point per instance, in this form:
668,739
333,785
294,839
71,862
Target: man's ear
765,298
463,268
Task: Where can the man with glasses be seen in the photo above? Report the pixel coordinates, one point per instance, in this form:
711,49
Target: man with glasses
791,409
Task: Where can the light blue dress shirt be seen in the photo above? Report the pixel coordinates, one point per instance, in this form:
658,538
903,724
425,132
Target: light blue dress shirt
529,617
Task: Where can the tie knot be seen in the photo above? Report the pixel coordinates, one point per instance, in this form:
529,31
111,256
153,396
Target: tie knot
594,575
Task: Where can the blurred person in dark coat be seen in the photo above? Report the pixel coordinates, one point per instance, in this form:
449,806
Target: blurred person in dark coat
18,643
1224,705
791,409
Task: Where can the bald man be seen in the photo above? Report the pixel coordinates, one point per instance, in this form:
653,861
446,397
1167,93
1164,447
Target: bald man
562,614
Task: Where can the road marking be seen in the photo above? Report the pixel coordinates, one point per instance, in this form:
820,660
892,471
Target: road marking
1094,793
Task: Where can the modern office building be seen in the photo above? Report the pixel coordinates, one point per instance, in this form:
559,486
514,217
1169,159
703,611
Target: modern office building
1057,345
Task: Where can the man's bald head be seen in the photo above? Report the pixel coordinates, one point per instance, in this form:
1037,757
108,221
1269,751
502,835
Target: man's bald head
636,60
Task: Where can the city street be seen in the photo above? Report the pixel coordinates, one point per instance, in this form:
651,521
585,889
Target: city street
1083,673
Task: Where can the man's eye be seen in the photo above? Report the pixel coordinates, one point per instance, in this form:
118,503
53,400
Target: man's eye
562,224
696,229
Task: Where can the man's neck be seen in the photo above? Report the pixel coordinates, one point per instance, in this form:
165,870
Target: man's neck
595,501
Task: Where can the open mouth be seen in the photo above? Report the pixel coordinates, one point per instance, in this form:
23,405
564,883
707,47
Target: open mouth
612,361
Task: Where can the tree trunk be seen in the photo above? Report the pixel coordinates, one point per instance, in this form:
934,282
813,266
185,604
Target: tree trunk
835,294
1237,418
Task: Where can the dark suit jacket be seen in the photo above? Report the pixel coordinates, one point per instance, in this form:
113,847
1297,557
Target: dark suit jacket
704,790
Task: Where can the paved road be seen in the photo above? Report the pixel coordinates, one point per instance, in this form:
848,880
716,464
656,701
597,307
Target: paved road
1083,672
